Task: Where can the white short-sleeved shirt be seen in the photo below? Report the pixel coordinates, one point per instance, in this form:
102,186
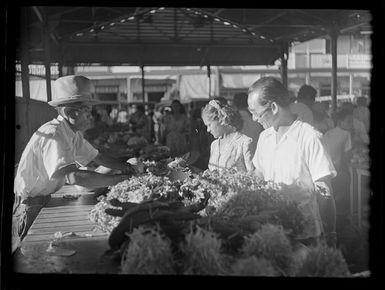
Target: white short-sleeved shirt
302,111
234,151
299,159
337,141
53,146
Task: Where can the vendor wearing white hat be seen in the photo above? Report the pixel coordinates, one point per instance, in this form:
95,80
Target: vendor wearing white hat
55,152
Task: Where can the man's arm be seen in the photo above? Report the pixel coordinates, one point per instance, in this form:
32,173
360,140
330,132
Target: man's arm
323,186
88,178
110,162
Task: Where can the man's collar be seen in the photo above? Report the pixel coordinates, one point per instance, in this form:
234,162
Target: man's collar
61,119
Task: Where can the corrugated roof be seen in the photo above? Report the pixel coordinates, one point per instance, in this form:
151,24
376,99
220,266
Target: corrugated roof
177,35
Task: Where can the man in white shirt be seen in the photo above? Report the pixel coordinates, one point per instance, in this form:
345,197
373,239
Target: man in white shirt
359,134
290,152
338,143
55,153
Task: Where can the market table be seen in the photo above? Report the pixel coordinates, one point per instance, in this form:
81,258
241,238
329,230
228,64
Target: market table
69,218
360,192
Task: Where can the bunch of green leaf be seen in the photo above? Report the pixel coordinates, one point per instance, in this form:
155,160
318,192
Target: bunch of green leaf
102,220
323,261
270,243
241,194
148,252
265,207
253,266
354,244
137,188
202,253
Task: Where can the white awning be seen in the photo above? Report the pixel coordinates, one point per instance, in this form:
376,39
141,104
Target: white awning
196,87
238,80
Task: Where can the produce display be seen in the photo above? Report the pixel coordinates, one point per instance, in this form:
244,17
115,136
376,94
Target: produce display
212,223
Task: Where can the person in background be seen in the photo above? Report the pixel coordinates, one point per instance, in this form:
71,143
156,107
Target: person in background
360,137
362,113
114,114
250,127
122,116
231,148
140,122
157,119
200,141
338,144
321,120
175,130
290,152
303,104
55,153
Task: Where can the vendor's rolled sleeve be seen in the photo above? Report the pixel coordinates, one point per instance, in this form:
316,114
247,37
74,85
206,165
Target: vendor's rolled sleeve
84,151
318,160
56,154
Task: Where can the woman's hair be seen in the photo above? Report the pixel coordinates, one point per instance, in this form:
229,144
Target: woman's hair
271,90
225,114
181,108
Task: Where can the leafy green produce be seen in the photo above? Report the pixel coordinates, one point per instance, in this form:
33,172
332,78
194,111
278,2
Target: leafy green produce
202,253
270,243
148,252
323,261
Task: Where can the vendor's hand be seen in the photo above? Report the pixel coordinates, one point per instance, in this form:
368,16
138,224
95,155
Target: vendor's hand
129,170
121,177
136,164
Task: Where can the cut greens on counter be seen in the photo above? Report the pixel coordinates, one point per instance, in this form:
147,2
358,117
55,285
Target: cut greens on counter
212,223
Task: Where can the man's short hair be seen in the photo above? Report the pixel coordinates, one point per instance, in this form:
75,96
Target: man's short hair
271,90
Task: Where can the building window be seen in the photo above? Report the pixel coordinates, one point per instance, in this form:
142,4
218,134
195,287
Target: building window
325,90
300,60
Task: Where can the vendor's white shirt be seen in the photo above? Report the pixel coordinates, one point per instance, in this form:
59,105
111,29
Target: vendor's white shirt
53,146
302,111
337,141
298,160
233,151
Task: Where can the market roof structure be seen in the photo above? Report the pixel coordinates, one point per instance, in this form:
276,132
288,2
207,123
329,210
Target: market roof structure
176,35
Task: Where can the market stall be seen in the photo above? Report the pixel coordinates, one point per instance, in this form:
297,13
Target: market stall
171,218
174,220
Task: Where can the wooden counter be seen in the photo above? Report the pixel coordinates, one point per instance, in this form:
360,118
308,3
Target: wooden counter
66,216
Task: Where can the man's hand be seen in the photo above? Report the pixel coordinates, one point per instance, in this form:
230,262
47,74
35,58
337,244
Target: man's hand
129,170
136,164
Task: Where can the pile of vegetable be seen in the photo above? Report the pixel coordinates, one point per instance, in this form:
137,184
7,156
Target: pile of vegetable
267,252
212,223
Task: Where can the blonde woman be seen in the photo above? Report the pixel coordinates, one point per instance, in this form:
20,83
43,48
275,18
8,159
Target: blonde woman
230,149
